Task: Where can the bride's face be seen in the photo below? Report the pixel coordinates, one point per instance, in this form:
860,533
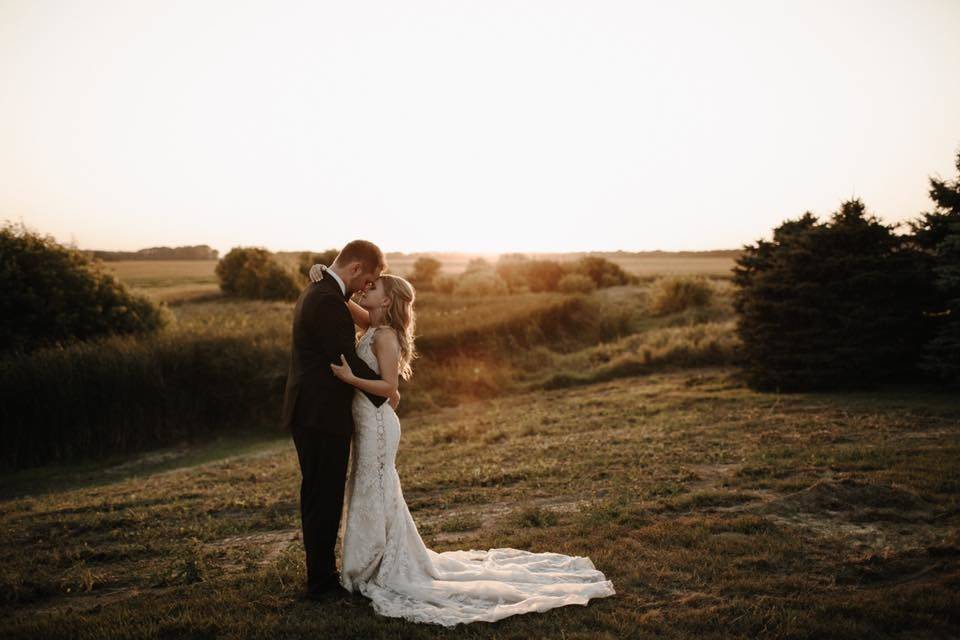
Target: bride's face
374,297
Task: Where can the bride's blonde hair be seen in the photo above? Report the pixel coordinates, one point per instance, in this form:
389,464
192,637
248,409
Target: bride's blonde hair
401,318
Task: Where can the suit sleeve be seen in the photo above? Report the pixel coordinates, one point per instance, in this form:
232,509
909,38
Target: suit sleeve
340,335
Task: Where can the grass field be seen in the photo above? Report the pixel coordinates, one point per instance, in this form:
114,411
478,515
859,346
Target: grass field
583,425
716,511
169,280
176,281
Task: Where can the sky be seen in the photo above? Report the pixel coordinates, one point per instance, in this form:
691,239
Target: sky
488,126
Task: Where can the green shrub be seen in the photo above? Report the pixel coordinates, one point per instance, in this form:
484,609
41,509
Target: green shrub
252,272
543,275
511,267
576,283
425,271
603,272
678,293
480,283
308,259
831,305
53,295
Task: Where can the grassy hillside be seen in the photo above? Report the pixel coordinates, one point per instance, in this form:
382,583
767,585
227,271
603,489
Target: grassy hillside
716,512
222,365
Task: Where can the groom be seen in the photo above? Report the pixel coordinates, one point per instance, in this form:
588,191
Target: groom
317,405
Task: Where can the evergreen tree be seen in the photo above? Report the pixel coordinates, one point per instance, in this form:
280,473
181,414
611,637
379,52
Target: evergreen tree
937,233
833,304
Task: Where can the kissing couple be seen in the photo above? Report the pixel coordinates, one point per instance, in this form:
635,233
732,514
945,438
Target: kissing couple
340,406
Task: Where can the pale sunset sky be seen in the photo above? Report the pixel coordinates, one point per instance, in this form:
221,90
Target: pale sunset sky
488,126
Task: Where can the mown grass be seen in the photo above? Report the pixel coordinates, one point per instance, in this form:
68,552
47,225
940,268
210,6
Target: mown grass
716,511
170,281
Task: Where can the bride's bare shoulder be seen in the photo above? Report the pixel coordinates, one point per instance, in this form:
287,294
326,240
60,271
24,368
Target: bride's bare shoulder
386,336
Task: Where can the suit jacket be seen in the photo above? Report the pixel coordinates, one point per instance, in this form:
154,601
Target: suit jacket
314,398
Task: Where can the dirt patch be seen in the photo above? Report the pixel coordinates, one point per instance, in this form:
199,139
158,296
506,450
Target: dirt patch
889,567
855,500
262,548
491,513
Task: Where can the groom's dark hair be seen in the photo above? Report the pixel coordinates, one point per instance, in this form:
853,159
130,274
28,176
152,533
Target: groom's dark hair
367,253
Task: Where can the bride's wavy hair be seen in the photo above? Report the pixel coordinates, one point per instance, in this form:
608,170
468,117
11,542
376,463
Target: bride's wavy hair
401,317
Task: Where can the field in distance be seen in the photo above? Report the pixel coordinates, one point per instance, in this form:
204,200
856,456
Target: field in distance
191,280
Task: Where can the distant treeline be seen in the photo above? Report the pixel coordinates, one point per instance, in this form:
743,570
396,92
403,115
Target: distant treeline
709,253
445,256
196,252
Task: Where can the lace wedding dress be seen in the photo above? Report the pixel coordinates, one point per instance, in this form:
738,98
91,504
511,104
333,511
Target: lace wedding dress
384,558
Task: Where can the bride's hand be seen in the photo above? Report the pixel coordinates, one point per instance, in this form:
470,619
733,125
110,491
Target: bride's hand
395,400
343,370
316,272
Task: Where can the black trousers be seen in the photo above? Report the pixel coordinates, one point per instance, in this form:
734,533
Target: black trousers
323,466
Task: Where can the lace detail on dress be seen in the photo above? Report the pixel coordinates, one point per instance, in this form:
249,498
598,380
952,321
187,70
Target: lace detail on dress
381,447
385,559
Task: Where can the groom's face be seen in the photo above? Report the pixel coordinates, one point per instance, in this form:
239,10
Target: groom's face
361,279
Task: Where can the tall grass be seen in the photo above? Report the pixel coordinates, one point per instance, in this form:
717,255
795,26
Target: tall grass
222,366
707,344
122,394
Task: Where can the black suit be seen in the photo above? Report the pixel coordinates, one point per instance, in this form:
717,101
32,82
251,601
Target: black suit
317,411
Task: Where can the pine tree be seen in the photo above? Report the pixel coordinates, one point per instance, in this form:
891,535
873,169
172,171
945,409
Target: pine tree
833,304
937,233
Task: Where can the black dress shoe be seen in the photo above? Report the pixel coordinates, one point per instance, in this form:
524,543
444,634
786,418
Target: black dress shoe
329,588
318,595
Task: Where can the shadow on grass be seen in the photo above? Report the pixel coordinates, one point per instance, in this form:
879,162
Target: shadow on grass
40,481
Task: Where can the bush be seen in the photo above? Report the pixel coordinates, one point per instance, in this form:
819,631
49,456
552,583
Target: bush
677,293
522,274
480,283
252,272
444,284
425,271
511,267
603,272
831,305
52,295
308,259
543,275
576,283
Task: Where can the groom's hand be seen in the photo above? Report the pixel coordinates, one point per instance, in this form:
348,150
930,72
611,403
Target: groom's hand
343,370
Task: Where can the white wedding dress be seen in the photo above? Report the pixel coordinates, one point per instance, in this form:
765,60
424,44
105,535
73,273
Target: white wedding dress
384,558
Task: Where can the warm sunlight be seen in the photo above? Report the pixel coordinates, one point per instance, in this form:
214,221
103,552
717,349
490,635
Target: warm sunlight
461,126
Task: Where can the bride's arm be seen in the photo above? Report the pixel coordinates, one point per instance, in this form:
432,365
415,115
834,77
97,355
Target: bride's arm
361,317
386,347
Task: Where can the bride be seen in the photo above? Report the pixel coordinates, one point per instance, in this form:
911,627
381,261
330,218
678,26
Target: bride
383,556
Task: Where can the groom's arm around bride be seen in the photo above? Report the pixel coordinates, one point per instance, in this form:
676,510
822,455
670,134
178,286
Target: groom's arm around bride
322,330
